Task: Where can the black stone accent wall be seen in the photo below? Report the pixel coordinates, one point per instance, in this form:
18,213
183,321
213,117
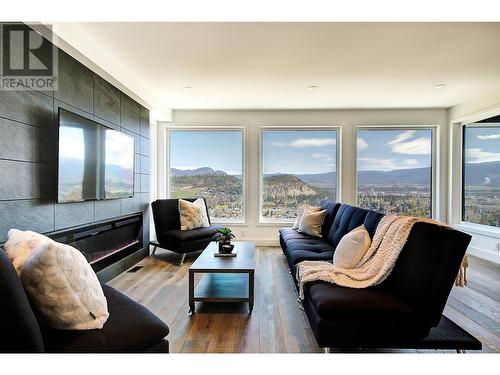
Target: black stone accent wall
28,164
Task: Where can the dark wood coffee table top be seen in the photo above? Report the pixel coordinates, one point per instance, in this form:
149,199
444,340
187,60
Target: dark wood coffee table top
243,262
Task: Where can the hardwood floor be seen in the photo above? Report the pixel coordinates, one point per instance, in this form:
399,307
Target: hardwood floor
277,325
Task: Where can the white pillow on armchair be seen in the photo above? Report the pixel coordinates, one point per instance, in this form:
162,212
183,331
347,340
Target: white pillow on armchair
193,214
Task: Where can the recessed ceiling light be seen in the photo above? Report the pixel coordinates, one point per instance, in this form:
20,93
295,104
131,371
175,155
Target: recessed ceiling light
440,86
312,88
188,88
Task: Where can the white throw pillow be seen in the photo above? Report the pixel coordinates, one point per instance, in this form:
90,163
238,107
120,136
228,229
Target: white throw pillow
311,222
193,214
352,247
300,212
58,280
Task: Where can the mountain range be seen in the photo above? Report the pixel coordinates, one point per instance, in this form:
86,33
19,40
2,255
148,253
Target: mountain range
203,171
477,174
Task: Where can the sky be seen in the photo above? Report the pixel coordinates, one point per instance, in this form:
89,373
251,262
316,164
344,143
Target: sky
313,151
219,150
388,150
482,144
298,151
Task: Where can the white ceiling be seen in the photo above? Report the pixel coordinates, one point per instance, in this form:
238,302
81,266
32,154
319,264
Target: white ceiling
270,65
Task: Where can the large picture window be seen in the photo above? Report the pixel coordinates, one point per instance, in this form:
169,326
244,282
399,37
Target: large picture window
481,173
209,163
298,168
394,170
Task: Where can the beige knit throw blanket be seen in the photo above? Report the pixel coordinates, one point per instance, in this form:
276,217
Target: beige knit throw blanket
389,239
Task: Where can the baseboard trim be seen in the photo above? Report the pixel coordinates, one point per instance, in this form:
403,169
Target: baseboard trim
262,241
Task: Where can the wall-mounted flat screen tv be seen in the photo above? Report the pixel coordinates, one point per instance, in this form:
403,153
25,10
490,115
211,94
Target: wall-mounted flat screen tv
95,162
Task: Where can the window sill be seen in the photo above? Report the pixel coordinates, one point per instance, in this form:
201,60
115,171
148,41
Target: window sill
275,224
231,223
483,230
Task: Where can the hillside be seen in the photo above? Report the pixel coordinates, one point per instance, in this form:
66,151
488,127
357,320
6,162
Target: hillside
286,185
414,176
203,171
483,173
477,173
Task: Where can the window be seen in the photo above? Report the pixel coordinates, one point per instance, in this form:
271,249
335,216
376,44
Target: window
209,163
298,167
481,173
394,169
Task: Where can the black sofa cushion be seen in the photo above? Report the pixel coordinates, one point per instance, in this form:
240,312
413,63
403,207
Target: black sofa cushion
19,331
130,328
370,305
350,217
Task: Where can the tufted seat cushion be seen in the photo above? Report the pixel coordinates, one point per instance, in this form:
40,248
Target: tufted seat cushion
299,247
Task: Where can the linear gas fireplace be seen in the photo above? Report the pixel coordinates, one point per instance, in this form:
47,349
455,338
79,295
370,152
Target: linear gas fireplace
106,243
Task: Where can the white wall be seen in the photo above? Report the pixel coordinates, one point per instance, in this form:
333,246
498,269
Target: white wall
485,240
347,120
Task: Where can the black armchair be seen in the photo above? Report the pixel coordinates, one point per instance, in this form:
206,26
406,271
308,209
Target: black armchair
168,229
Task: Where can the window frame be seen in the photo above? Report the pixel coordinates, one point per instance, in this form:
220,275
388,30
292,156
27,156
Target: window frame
338,155
455,178
212,128
485,229
435,157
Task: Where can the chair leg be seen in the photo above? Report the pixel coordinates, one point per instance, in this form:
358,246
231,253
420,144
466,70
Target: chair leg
326,350
154,250
183,256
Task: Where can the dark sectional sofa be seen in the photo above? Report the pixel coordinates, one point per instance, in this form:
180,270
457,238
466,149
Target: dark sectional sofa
401,311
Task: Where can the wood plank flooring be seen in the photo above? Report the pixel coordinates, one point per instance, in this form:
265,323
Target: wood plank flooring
277,325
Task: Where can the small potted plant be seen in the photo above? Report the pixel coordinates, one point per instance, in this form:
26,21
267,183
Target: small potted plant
224,239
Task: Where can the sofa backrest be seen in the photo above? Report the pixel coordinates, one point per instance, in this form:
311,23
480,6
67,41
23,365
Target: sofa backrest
350,217
19,329
331,211
426,269
166,213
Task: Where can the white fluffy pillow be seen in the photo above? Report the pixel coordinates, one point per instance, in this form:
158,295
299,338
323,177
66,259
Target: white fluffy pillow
193,214
59,281
351,248
311,222
300,212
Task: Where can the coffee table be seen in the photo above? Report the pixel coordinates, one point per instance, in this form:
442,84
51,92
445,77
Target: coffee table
225,279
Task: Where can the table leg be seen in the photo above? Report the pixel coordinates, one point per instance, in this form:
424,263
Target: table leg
191,292
250,290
